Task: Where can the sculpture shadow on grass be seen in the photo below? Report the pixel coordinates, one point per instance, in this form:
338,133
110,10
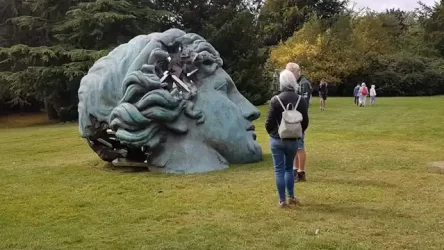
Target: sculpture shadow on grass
164,99
125,169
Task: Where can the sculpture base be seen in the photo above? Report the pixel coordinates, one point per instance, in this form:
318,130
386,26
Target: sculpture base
122,163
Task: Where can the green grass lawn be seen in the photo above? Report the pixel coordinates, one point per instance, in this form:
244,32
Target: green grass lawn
368,188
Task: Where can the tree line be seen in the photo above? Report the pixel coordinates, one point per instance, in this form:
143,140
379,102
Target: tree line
402,53
47,46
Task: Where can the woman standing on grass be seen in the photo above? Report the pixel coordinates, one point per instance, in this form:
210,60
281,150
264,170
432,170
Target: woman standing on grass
363,92
372,95
284,150
323,91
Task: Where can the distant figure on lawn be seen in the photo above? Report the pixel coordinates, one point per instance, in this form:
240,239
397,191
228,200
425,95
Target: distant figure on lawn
284,150
363,92
356,94
372,95
323,91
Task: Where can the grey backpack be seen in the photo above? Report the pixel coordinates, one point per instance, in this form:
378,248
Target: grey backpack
290,127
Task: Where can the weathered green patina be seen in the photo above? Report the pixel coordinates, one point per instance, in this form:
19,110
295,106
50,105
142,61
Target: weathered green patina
165,98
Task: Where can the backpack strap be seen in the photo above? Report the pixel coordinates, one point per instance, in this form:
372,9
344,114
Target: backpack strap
279,99
297,104
290,106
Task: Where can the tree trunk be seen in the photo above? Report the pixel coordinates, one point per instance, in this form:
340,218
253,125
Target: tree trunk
51,111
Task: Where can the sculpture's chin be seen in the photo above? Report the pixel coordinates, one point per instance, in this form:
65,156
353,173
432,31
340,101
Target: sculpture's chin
256,151
250,154
254,147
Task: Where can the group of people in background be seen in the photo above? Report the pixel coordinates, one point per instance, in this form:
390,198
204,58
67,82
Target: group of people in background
361,93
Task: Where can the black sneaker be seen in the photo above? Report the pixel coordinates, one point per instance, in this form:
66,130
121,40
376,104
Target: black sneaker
301,177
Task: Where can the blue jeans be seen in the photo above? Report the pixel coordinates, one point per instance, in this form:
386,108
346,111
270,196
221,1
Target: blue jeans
283,152
300,143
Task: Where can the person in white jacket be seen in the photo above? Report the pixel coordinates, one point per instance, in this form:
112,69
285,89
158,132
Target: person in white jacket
363,92
372,95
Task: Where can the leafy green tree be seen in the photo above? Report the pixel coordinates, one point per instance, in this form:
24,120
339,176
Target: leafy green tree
106,23
279,19
57,41
26,36
240,45
232,27
434,28
375,48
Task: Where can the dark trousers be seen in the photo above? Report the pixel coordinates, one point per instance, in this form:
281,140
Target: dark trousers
357,100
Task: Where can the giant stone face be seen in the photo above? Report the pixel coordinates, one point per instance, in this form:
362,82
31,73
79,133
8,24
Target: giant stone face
164,99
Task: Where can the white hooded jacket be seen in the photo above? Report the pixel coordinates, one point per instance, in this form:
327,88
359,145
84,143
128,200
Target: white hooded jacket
373,91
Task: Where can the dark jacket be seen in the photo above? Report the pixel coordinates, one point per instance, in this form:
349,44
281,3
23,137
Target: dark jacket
323,89
356,91
305,88
275,112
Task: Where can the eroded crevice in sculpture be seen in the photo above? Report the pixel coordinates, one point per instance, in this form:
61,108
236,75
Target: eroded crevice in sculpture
149,99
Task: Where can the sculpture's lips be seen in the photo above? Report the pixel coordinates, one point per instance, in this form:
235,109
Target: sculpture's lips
251,129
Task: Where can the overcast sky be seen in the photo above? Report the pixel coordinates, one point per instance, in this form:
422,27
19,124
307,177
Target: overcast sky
381,5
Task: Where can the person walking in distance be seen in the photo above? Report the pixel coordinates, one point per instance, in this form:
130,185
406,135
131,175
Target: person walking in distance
323,91
356,94
303,90
310,93
363,92
372,95
283,150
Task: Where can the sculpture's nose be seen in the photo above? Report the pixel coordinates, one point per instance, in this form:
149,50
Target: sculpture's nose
252,114
249,111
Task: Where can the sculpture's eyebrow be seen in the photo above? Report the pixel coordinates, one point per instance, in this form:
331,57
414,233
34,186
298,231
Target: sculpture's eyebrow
221,84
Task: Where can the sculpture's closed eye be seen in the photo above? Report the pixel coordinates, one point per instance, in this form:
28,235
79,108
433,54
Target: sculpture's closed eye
222,86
